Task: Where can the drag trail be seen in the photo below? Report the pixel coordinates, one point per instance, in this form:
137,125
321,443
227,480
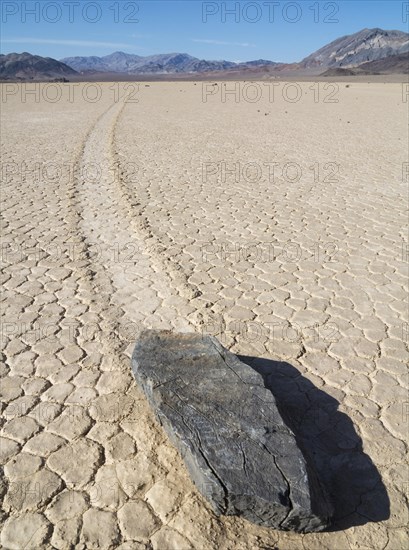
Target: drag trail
123,273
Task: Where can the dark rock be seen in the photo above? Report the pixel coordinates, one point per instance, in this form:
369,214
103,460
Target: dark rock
226,425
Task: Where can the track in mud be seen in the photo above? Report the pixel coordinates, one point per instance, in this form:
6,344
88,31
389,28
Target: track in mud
126,278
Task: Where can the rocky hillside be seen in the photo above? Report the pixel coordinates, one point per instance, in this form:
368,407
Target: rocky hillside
391,64
355,49
25,66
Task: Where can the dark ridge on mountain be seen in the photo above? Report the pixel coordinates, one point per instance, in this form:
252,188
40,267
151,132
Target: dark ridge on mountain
393,64
354,49
339,71
26,66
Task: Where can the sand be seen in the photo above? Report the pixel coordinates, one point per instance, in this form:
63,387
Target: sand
274,222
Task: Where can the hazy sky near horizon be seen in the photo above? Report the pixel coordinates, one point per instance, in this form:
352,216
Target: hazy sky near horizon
231,30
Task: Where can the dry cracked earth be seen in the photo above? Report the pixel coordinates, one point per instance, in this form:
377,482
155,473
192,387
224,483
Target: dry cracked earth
278,226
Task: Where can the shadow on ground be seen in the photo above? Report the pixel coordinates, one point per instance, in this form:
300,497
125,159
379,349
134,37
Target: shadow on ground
329,442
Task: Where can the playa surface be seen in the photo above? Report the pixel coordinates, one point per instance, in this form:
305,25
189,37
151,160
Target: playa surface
272,217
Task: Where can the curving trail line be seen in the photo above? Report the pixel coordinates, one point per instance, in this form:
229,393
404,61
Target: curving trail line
128,281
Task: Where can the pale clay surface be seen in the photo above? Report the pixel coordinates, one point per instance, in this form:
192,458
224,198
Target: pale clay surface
86,465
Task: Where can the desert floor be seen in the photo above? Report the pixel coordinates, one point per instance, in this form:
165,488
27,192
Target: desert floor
275,222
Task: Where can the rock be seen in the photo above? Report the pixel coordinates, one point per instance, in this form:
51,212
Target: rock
226,425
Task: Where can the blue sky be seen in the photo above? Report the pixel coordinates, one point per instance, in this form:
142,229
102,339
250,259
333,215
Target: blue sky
279,31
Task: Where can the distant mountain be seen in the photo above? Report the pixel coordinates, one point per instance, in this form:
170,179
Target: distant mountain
120,62
257,63
26,66
368,51
345,52
115,62
358,48
91,63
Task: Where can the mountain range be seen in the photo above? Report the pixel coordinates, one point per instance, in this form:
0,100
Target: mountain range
120,62
364,52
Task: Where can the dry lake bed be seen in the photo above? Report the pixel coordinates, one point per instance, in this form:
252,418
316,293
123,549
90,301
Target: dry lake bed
271,215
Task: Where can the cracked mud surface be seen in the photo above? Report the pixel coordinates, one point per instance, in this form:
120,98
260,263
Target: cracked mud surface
90,258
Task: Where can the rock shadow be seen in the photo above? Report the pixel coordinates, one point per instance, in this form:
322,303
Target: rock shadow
330,444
